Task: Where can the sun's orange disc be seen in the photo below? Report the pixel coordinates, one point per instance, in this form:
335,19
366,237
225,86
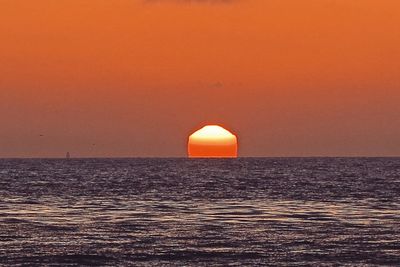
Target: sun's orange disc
212,141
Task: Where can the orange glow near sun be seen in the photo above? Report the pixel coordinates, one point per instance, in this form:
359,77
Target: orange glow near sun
212,141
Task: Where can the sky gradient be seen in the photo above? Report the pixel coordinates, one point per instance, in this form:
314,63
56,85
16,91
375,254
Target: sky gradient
130,78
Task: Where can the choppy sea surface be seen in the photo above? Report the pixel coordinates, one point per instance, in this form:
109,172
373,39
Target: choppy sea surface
200,212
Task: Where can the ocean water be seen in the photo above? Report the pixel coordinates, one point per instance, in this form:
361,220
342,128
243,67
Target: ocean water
200,212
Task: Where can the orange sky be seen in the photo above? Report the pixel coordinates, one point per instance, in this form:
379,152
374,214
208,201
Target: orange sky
134,78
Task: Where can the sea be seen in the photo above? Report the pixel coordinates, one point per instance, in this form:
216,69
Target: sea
200,212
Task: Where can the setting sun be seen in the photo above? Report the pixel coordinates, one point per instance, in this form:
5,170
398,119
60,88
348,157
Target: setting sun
212,141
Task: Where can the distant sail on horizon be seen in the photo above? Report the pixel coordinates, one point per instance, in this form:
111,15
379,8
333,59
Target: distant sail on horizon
68,156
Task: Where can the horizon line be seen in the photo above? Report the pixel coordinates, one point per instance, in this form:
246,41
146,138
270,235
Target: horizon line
191,158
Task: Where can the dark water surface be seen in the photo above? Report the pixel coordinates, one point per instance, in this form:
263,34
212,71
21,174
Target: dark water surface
202,212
